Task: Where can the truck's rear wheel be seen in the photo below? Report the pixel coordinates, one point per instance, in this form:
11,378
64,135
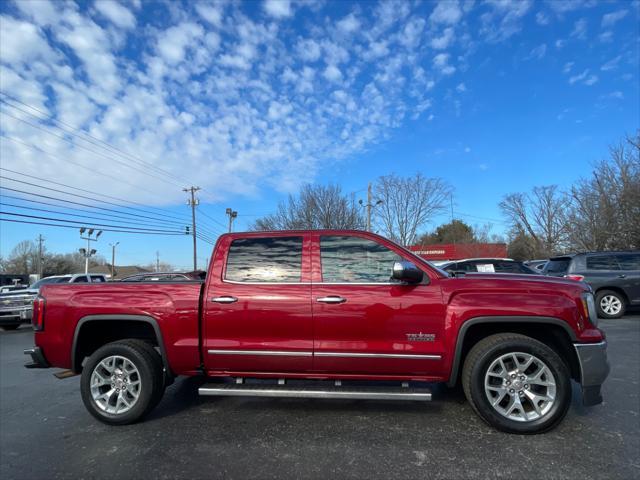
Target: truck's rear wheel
516,383
122,381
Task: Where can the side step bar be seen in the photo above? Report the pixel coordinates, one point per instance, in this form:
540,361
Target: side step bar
316,391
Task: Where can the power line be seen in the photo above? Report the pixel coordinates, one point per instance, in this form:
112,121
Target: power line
102,144
76,227
156,217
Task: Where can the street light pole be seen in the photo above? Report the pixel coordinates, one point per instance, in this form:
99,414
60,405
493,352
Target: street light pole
193,201
232,215
370,206
88,252
40,240
113,258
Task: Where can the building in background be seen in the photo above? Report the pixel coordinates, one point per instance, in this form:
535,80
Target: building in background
458,251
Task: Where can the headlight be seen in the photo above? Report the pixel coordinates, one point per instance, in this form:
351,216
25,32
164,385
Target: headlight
590,307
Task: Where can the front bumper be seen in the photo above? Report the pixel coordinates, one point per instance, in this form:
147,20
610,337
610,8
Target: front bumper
594,368
37,358
15,315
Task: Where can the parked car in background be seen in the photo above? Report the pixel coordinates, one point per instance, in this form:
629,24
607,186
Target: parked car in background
486,265
613,276
536,265
162,277
16,306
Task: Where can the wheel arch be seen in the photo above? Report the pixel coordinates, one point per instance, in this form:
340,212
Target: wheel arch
101,322
559,336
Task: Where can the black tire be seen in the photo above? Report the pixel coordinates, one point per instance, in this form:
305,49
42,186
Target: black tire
602,294
480,358
10,327
149,365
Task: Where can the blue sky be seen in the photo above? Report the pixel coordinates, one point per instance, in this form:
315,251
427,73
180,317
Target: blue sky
250,100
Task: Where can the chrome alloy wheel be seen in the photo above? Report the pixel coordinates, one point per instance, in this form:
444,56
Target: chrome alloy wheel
610,304
115,385
520,387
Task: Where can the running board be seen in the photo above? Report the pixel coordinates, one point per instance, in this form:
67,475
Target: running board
316,391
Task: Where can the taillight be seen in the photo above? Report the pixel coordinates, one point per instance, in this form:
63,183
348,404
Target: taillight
37,317
577,278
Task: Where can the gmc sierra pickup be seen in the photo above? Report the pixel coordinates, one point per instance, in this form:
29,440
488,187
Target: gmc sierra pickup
346,309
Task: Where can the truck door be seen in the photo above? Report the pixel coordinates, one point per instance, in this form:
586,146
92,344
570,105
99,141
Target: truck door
257,305
367,323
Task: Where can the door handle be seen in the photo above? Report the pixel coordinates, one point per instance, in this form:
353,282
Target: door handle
622,276
331,299
224,299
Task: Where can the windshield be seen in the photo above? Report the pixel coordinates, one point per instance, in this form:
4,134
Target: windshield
44,281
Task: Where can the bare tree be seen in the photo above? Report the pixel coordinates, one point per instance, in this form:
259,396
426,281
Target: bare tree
22,259
541,214
408,203
315,207
605,208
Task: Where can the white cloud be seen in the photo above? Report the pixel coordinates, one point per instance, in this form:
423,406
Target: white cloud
560,43
585,78
567,67
580,29
211,12
610,19
308,49
349,24
542,18
447,12
442,42
606,36
538,52
278,8
412,32
332,73
461,87
21,41
611,64
504,19
116,12
173,43
441,63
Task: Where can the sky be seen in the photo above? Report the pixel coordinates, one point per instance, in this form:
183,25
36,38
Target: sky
134,101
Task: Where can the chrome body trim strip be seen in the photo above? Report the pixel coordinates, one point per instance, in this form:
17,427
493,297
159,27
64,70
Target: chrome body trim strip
335,392
378,355
275,353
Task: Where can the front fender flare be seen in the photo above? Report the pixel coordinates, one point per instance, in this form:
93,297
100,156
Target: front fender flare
455,367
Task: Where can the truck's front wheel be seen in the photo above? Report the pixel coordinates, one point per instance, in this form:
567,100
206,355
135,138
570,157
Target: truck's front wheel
122,381
516,383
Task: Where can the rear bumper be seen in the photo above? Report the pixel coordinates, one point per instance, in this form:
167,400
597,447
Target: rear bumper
38,359
594,368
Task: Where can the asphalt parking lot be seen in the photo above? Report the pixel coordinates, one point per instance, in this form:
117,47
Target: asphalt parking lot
45,432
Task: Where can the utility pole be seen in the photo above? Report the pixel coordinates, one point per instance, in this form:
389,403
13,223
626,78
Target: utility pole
157,261
232,215
88,252
369,205
193,201
40,259
113,258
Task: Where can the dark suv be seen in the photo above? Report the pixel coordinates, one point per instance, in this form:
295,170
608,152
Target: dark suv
614,277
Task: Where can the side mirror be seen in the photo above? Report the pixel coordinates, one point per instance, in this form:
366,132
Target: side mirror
406,272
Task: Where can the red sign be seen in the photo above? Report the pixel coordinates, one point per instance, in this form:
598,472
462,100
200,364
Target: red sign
458,251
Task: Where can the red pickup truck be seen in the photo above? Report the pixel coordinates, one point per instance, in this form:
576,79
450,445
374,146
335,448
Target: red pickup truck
348,309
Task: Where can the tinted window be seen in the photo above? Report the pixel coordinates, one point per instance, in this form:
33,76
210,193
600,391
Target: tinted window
137,278
355,260
559,266
461,267
272,259
602,262
97,278
81,279
44,281
630,261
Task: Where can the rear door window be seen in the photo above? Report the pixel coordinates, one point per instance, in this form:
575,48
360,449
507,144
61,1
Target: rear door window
97,278
630,261
266,259
82,279
602,262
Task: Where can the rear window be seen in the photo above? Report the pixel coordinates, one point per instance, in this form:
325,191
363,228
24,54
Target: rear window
602,262
559,266
270,259
97,278
629,261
